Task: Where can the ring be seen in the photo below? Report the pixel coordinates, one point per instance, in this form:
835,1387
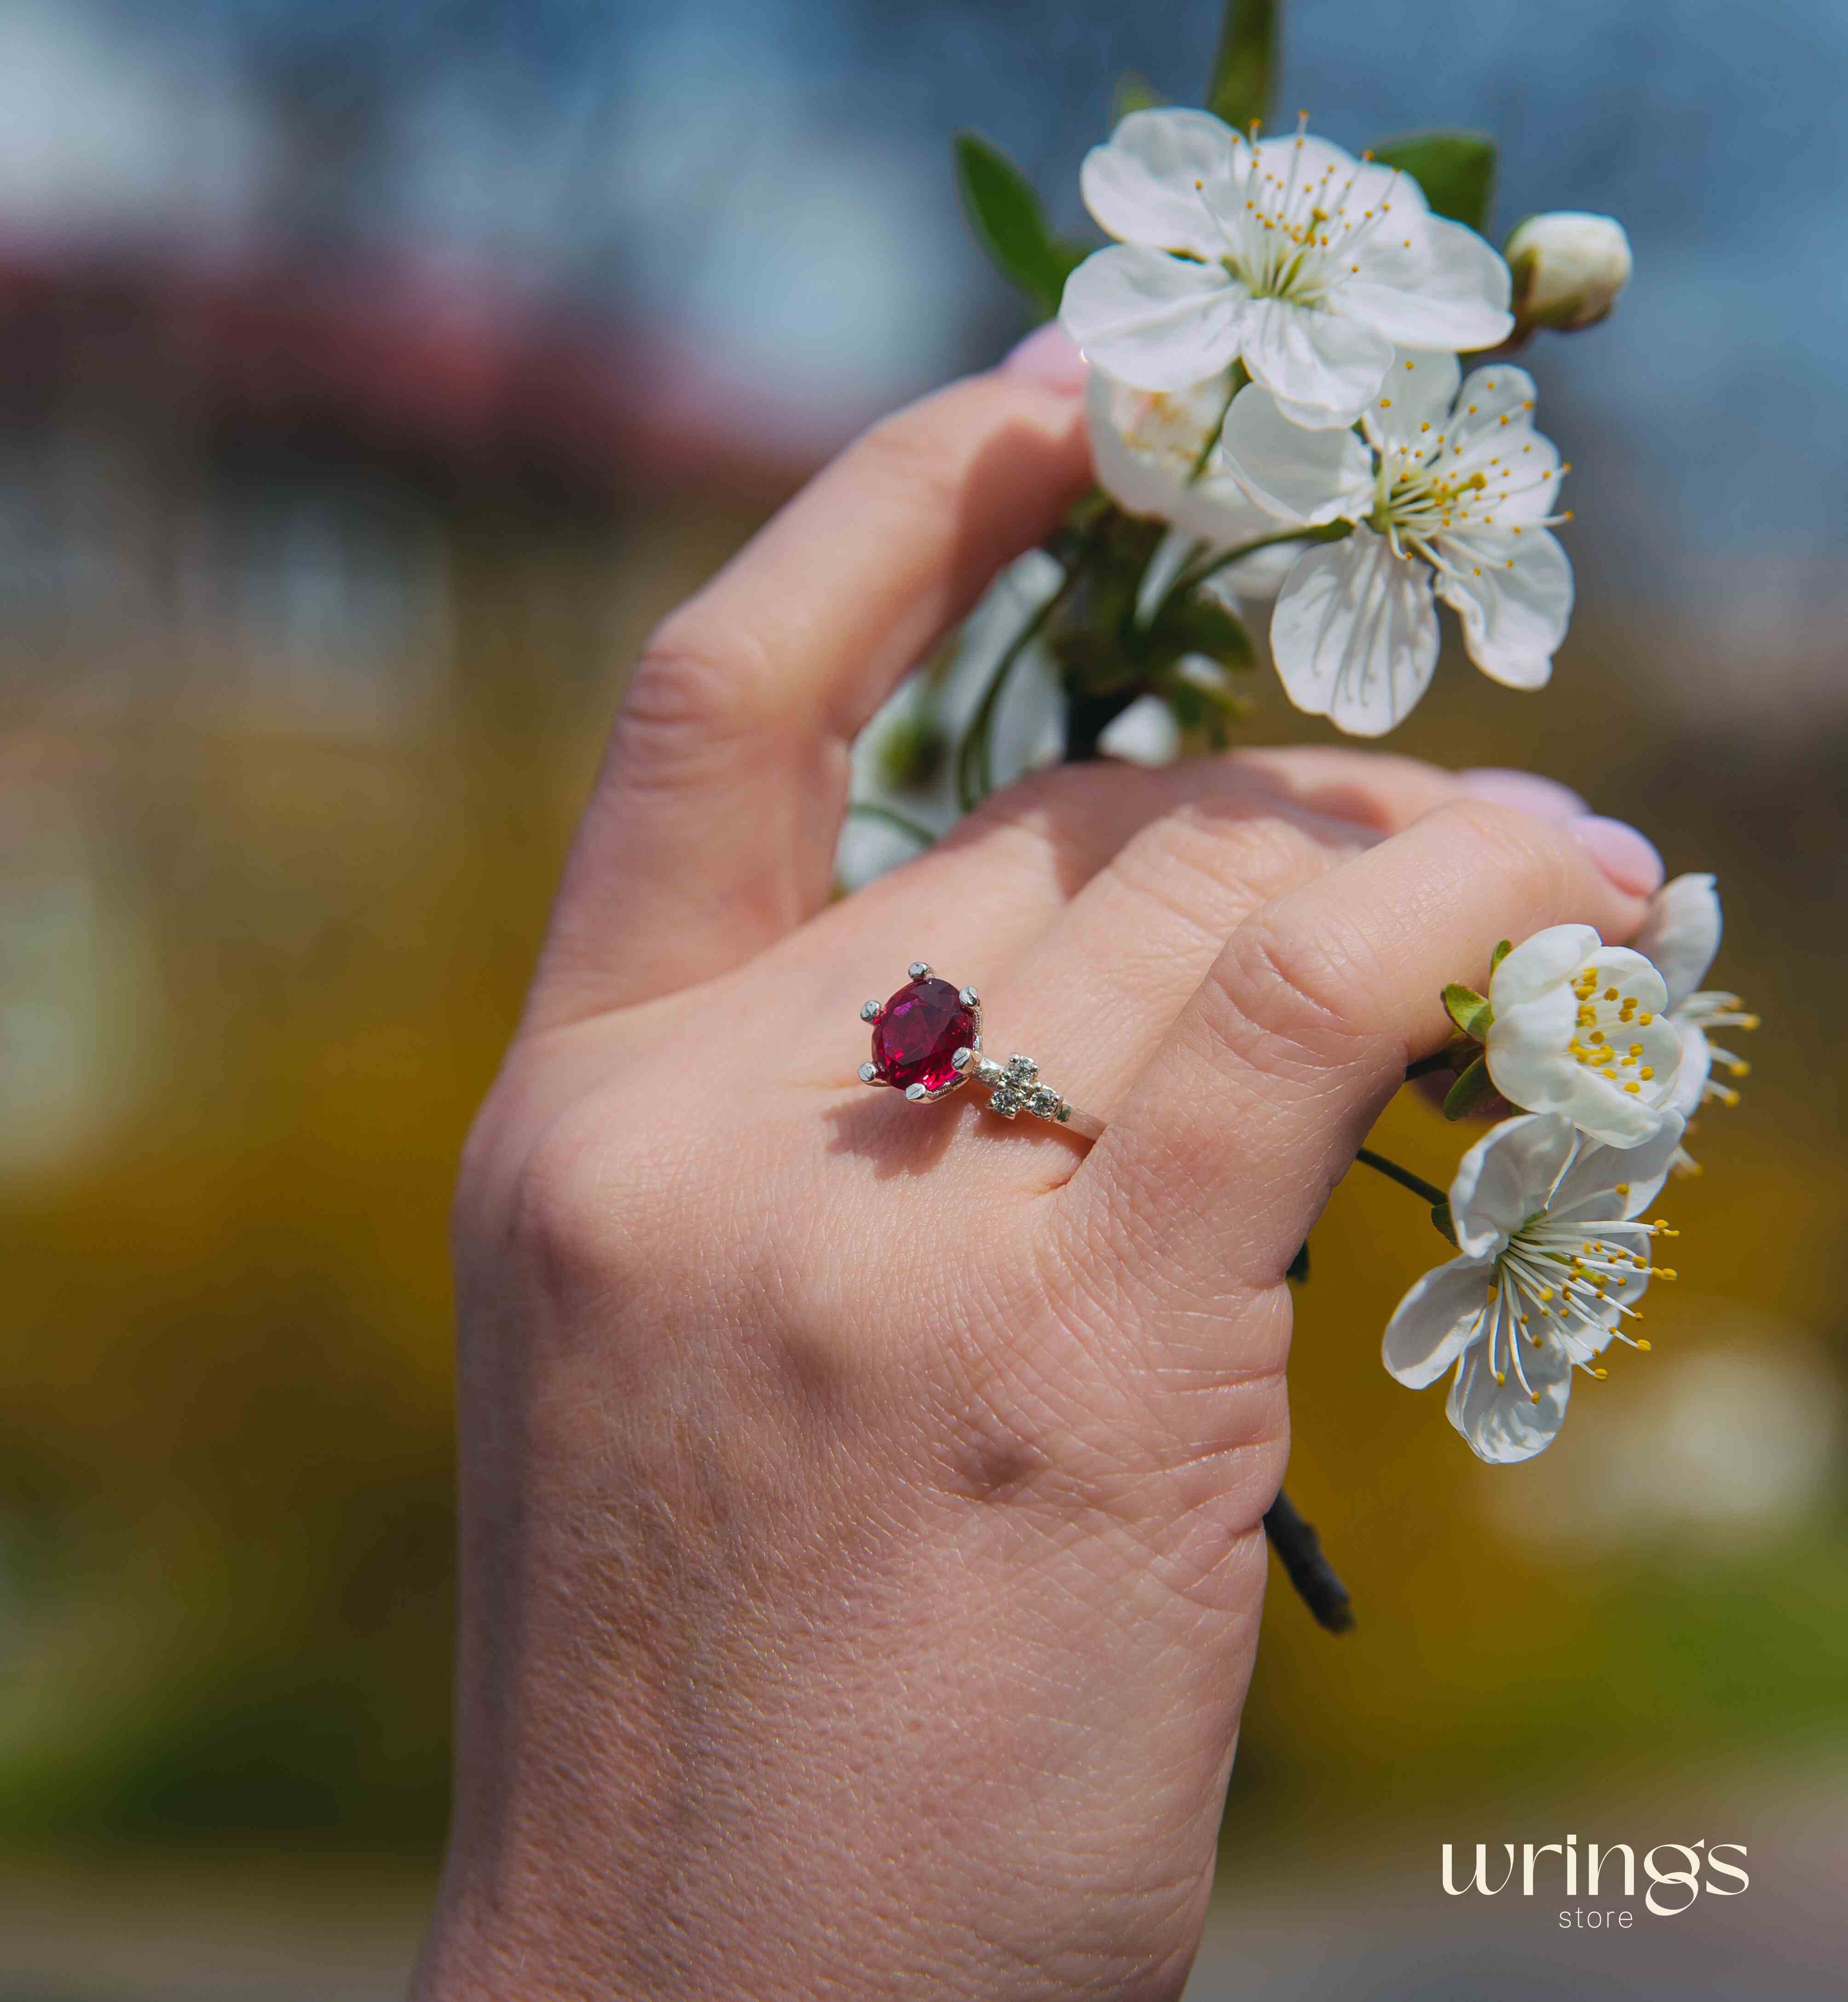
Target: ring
927,1043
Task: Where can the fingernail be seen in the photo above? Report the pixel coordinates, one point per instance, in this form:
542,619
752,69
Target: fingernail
1502,787
1628,858
1050,357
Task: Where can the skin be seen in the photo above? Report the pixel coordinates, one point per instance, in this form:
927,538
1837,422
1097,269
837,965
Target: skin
862,1552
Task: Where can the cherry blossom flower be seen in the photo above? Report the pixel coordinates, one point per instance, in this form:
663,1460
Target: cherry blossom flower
1582,1028
1554,1257
1450,491
1287,254
1681,936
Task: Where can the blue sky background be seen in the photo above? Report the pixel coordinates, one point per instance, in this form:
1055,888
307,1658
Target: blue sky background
769,181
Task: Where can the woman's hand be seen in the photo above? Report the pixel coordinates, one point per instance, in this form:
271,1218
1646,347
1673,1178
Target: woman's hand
862,1554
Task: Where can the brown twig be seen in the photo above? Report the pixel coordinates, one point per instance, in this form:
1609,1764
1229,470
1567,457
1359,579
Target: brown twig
1299,1551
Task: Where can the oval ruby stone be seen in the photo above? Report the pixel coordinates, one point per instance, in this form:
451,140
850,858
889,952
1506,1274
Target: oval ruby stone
923,1026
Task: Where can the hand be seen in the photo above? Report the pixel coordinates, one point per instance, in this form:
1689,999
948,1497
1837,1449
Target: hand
862,1554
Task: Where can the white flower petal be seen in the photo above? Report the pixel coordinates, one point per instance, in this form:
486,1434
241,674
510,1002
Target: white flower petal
1144,733
1682,932
1696,1067
1307,477
1324,369
1623,966
1151,320
1145,185
1501,1421
1505,1177
1355,635
1435,284
1414,403
1539,964
1589,1189
1216,509
1436,1321
1513,594
1256,579
1492,401
1171,556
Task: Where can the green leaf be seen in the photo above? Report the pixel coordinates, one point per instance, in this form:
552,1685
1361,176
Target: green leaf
1473,1089
1244,71
1455,169
1005,214
1202,625
1468,1010
1134,93
1499,954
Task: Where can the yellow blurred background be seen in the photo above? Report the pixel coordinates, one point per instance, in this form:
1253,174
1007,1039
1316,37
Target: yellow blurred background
321,588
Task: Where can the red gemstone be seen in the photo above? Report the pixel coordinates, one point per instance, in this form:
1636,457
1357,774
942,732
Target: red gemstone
923,1026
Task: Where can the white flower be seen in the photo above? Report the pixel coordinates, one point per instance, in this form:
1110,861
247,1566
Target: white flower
1554,1261
1289,254
1582,1028
1681,936
1450,491
1568,268
1153,452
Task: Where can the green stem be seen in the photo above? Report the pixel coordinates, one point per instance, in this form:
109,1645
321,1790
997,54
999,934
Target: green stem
1403,1177
1241,378
867,810
974,780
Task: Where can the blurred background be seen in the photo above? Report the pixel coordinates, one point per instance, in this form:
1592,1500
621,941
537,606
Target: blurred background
370,380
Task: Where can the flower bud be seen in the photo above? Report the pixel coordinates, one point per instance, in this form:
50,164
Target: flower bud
1568,269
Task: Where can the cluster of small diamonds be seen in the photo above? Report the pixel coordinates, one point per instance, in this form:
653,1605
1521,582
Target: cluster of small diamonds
1014,1090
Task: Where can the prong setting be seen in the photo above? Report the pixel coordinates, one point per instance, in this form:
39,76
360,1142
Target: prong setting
871,1011
916,1093
968,997
919,969
870,1075
962,1059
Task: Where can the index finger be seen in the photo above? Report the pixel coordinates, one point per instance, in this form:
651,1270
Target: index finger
711,833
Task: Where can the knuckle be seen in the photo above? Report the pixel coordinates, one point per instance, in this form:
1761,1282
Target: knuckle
700,690
1209,867
1301,988
912,451
558,1226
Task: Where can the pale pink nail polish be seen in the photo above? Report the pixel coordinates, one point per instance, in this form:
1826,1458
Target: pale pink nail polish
1501,786
1627,857
1050,357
